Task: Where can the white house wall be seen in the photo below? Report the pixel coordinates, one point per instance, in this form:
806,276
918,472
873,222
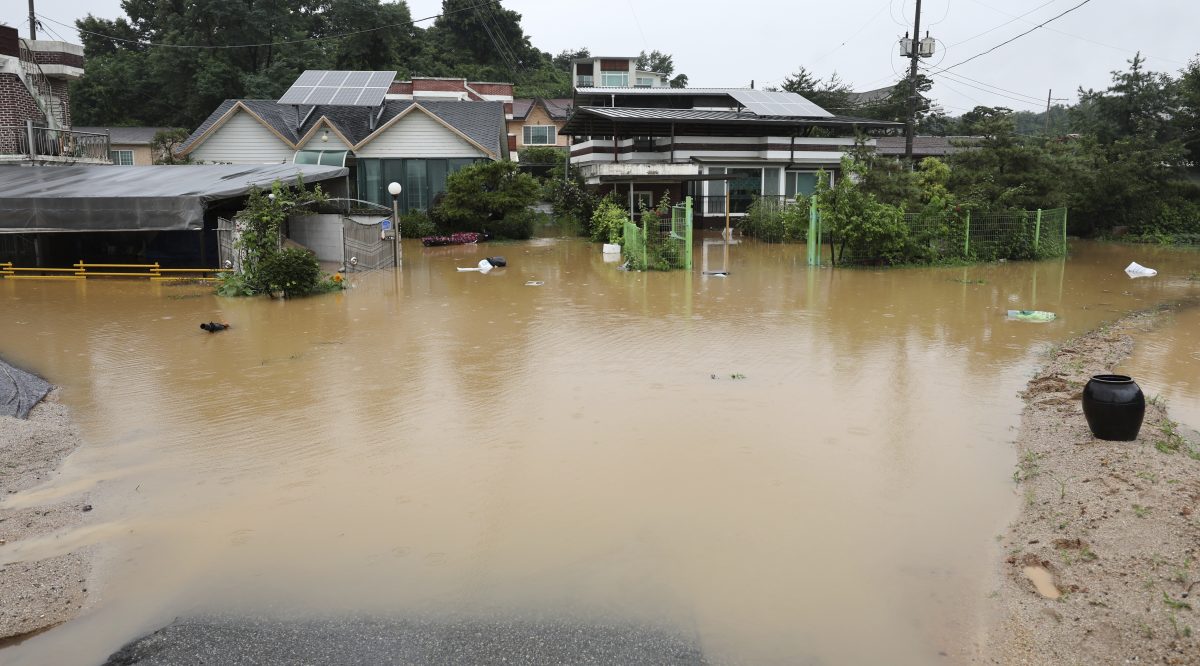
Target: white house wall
418,135
334,143
243,140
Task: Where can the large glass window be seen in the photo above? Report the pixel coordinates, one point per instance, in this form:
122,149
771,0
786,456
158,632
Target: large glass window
121,157
614,79
744,188
416,184
771,181
540,135
422,180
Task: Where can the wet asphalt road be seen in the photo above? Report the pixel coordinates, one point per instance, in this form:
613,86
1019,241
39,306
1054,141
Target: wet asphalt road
264,642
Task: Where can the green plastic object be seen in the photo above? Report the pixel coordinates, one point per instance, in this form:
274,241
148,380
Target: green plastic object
1031,315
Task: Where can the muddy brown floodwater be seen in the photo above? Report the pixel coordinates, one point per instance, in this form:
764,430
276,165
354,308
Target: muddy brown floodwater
786,465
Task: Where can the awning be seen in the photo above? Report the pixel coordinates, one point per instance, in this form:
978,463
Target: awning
326,157
44,199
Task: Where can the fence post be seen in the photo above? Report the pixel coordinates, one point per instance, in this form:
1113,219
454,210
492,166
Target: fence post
814,236
1064,232
688,221
1037,232
32,142
967,237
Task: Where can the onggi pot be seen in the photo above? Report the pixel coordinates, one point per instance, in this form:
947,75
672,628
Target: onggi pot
1114,407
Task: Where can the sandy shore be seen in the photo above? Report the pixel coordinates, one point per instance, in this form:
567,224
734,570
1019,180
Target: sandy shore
1111,528
37,595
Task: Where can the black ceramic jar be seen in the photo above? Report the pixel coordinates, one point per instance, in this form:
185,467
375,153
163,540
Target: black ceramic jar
1114,407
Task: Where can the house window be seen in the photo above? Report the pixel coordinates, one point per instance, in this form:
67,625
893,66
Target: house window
800,183
614,79
645,82
422,180
746,185
585,81
540,135
121,157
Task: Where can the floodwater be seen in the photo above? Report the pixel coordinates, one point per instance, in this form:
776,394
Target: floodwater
785,465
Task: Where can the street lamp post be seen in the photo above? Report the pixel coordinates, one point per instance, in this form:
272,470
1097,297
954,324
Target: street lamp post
394,189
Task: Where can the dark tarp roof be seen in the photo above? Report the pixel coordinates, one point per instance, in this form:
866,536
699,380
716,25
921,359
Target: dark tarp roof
139,198
19,391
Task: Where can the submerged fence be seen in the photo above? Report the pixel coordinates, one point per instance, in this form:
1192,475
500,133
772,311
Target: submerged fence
942,236
660,244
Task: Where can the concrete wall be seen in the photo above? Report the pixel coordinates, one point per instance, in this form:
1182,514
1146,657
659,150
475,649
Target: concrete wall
320,233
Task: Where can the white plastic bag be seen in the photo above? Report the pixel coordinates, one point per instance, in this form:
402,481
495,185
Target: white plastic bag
1136,270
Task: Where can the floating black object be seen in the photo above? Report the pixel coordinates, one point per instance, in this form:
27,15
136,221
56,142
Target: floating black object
1114,407
498,262
213,327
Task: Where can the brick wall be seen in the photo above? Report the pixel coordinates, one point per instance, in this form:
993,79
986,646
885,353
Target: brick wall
62,90
400,88
58,58
493,88
438,85
16,106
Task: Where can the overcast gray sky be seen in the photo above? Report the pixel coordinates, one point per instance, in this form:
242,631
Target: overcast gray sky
732,43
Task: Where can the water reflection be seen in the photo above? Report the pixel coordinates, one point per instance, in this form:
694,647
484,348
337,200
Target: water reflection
773,462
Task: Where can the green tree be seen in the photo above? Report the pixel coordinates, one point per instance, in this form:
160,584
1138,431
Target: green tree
832,94
164,145
479,196
663,63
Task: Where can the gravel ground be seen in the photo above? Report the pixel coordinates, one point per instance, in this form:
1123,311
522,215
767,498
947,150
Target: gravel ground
40,594
1115,526
234,641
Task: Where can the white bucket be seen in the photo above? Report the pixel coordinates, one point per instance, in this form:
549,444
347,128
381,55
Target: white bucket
612,248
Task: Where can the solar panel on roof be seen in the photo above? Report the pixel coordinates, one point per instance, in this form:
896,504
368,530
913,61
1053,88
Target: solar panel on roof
339,88
767,103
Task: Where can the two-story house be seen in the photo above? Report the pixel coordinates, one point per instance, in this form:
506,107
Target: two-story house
35,104
721,146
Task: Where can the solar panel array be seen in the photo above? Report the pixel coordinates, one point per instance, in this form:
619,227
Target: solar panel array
766,103
318,86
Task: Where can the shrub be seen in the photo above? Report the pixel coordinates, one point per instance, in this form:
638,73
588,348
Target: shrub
772,221
571,203
479,195
608,221
416,224
516,225
293,271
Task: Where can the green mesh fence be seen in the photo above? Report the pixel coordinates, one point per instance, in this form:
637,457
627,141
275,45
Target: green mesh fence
660,244
918,238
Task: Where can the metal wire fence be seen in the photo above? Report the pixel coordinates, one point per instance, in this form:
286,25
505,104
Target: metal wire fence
943,236
660,244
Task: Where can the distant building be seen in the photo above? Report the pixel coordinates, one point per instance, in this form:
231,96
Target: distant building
128,146
538,122
723,147
35,103
600,72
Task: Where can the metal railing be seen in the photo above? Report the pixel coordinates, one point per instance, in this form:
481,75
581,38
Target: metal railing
40,88
81,271
33,143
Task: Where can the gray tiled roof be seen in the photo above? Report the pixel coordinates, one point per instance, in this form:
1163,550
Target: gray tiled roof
558,108
125,135
925,145
483,122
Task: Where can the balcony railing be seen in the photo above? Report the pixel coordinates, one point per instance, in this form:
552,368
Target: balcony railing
585,81
29,143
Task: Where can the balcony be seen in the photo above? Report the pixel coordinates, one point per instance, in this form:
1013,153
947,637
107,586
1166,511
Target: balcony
30,144
585,81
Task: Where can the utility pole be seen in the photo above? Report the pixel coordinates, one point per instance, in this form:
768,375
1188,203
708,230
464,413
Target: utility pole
1048,93
912,85
32,22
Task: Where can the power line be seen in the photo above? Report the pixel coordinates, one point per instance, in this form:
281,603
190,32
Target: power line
246,46
858,32
990,92
1082,38
962,79
1014,19
1013,39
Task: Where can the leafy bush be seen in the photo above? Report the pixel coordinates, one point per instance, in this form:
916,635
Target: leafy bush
293,271
543,161
482,194
516,225
772,221
861,228
234,284
571,203
416,224
608,221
